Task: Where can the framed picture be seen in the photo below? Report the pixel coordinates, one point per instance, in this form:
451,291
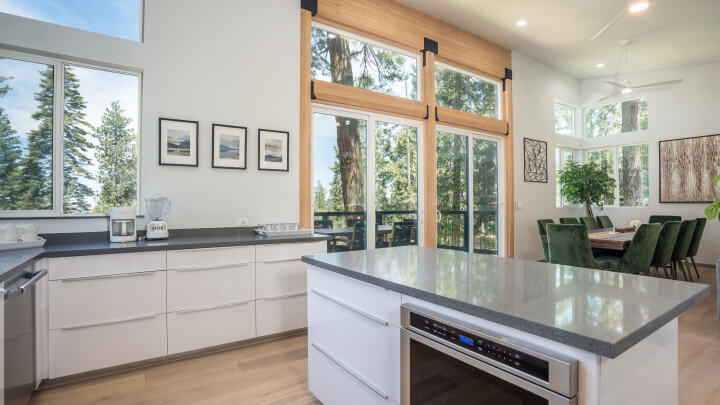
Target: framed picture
535,161
273,150
229,147
178,142
687,167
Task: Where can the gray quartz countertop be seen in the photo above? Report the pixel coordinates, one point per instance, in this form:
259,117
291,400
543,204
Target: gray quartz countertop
96,243
598,311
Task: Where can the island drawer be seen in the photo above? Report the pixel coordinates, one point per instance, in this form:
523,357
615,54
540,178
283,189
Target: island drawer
205,327
276,315
212,257
277,279
289,251
100,299
90,348
207,287
62,268
355,295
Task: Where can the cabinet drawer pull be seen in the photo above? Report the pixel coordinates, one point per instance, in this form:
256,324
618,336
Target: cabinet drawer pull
350,371
218,266
90,325
284,296
280,261
143,274
352,308
198,309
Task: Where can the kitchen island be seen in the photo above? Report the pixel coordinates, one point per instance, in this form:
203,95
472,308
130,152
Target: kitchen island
611,333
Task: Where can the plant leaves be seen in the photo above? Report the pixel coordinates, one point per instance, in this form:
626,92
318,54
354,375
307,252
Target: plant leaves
711,211
716,179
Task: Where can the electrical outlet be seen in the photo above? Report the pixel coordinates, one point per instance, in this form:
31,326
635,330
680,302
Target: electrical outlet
241,221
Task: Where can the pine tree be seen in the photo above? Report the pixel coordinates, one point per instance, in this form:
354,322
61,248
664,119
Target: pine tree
320,203
10,154
75,147
117,158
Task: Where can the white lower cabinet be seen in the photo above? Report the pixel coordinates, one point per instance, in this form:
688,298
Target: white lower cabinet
194,288
76,350
276,315
199,328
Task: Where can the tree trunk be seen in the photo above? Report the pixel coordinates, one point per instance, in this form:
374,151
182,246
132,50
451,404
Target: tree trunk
630,115
588,209
631,175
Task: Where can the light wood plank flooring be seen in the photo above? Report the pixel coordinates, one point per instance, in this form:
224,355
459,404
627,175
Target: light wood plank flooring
276,372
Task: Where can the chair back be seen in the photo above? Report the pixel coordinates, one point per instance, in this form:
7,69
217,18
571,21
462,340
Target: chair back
661,219
569,244
542,224
666,243
697,236
322,223
687,229
590,223
569,221
639,254
358,236
401,234
605,221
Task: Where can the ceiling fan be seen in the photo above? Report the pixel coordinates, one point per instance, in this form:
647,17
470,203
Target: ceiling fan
626,87
637,6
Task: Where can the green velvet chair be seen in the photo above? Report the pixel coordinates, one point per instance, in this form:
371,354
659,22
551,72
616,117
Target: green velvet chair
605,221
639,254
662,258
661,219
682,246
569,221
569,244
590,223
695,243
542,223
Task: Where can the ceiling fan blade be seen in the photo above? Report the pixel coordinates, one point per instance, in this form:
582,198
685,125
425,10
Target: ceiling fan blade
643,86
616,84
610,24
608,96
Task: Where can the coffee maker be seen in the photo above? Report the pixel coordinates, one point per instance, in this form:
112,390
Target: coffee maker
122,224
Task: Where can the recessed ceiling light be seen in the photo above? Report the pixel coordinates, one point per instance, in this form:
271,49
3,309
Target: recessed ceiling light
626,90
600,65
521,23
639,6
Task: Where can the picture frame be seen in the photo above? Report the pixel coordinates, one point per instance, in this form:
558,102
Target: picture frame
686,169
229,147
535,160
178,142
273,150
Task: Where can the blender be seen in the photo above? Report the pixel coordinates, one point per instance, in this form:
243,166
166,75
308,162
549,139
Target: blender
157,208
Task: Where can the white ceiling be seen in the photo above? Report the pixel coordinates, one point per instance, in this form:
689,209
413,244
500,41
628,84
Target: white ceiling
669,34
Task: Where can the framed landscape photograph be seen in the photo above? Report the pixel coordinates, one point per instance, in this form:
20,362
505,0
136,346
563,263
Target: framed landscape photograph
687,167
178,142
229,147
273,150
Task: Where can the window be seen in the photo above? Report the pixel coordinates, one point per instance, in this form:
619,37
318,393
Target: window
120,19
616,118
564,120
345,59
94,125
562,156
628,164
466,92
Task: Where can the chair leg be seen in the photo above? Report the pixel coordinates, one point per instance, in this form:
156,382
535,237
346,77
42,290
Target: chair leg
673,270
692,259
687,267
679,263
666,271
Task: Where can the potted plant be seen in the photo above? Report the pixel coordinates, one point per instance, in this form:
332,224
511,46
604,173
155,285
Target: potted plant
711,211
589,184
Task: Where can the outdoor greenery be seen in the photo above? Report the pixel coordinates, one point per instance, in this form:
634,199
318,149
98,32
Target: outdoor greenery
711,211
589,184
460,91
615,118
27,174
564,122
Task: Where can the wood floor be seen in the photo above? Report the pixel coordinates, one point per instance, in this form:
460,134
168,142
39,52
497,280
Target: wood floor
276,372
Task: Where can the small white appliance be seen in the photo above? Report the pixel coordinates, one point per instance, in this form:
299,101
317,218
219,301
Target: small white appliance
158,207
122,224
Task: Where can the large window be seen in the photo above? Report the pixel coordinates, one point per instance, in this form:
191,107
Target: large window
564,119
628,164
562,157
356,155
114,18
616,118
467,92
342,58
69,137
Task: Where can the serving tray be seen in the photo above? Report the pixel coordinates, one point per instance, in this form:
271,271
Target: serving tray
270,234
23,245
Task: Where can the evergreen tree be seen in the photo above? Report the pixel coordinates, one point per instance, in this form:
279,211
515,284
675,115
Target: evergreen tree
117,158
320,203
75,148
10,154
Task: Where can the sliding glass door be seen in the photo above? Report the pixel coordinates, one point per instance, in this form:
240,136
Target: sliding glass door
468,178
366,171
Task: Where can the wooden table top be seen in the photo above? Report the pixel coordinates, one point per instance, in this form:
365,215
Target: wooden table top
609,239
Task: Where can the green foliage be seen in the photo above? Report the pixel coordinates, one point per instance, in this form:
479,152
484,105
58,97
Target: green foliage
75,148
463,92
10,154
711,211
588,184
615,118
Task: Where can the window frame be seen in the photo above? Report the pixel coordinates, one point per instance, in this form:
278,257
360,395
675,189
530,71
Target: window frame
558,193
405,52
59,65
573,124
498,98
613,149
619,101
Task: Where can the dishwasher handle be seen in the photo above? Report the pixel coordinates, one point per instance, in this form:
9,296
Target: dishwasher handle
22,288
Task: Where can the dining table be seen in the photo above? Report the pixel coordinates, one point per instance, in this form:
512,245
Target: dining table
348,231
608,238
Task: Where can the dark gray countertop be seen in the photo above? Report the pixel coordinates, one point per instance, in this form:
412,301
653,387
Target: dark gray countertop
97,243
598,311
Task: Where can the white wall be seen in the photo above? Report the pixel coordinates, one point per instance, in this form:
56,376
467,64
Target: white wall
691,108
535,89
213,61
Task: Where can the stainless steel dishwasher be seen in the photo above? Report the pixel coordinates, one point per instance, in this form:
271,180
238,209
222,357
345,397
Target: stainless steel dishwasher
19,337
